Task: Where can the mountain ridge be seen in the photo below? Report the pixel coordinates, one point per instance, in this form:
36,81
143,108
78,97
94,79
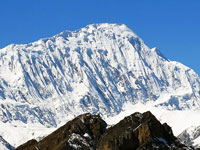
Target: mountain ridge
90,132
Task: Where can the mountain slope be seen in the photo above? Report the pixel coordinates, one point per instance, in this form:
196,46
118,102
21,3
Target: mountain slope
4,145
191,136
95,69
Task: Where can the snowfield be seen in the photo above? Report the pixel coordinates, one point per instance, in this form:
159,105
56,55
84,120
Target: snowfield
179,120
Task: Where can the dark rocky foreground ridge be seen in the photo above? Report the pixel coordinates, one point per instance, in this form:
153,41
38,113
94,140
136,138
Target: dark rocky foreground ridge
89,132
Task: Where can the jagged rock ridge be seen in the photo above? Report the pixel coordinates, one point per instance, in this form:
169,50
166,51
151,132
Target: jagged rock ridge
82,132
88,132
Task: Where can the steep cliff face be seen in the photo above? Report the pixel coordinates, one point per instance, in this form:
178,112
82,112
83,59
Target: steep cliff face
95,69
88,132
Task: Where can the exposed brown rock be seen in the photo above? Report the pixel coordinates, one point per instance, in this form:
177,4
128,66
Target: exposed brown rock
65,136
88,132
139,131
28,145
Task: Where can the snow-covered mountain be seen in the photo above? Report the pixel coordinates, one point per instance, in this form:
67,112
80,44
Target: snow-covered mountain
4,145
96,69
191,136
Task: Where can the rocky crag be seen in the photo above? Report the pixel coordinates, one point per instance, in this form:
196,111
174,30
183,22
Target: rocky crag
89,132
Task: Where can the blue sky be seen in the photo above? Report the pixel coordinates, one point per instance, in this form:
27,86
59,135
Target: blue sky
171,25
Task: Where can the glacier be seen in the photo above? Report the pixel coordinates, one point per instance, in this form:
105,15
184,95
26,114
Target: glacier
96,69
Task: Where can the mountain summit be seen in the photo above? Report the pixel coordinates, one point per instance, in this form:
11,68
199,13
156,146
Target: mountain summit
95,69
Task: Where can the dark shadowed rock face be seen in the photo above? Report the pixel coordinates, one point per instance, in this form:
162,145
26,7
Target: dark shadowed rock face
82,133
88,132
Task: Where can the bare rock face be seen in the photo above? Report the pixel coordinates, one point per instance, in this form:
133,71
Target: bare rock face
30,145
88,132
139,131
82,132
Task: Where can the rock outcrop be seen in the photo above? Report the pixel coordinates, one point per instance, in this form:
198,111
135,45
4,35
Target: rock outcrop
139,131
88,132
83,132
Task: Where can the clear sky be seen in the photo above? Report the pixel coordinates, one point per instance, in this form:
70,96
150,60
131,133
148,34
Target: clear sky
171,25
